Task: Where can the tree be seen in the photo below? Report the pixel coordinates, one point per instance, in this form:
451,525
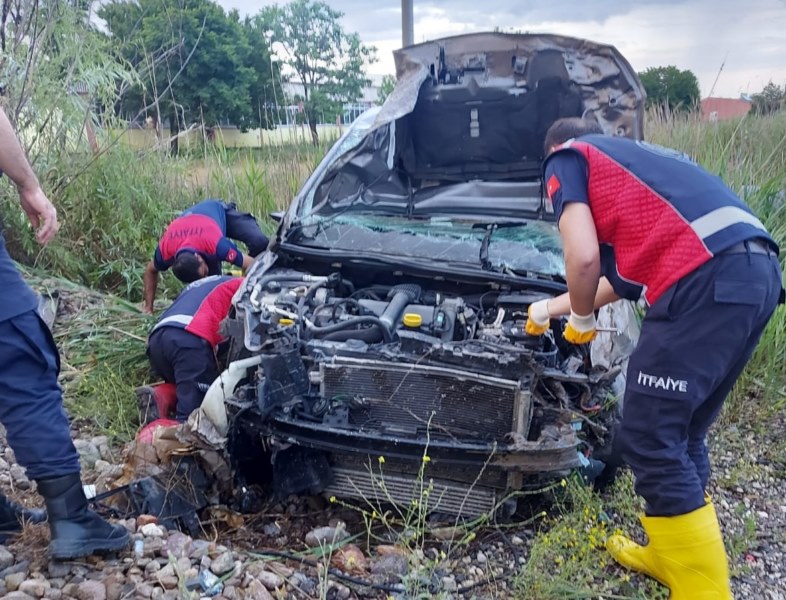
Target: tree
195,60
326,61
265,87
385,88
668,86
771,99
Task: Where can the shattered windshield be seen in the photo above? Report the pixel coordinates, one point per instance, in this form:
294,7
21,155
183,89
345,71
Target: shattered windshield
528,246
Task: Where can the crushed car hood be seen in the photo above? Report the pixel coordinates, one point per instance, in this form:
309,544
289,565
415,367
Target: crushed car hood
472,108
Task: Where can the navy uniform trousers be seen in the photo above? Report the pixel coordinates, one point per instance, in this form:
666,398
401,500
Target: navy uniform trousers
695,341
31,405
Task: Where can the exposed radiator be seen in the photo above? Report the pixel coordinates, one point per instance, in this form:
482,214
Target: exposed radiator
443,496
400,398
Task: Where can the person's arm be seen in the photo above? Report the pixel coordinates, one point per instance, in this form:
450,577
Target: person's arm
560,305
13,162
247,262
582,256
150,279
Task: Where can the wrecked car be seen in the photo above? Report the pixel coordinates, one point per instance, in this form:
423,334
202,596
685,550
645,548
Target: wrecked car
385,324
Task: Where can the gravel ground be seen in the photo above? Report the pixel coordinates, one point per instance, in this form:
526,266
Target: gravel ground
749,489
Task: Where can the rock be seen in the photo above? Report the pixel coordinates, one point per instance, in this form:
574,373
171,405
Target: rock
198,549
9,455
449,583
342,592
303,582
53,594
388,550
271,529
516,541
326,535
4,466
481,558
223,564
88,452
257,591
69,589
270,580
143,520
19,476
114,586
350,559
447,533
18,567
152,547
58,569
57,582
16,596
14,580
183,564
34,587
167,570
6,558
151,568
144,590
169,582
91,590
390,566
282,571
178,544
151,530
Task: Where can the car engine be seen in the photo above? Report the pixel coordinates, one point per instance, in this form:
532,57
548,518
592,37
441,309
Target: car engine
343,375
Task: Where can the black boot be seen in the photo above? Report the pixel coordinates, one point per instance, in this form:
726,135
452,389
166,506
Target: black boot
77,530
12,515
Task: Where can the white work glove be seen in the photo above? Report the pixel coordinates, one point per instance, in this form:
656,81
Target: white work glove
538,318
580,329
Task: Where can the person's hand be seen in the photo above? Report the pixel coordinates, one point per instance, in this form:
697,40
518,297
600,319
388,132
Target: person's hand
538,318
580,329
41,213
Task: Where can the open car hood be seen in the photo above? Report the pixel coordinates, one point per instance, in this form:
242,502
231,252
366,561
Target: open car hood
465,124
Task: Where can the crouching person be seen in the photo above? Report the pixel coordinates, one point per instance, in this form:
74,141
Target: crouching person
182,345
31,403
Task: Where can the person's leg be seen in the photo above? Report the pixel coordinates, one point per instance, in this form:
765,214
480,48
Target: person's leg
244,228
38,430
693,339
193,364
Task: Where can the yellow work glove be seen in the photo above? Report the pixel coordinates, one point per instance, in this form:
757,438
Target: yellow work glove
538,318
580,330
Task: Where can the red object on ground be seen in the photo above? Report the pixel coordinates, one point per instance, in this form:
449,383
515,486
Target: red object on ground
145,435
165,397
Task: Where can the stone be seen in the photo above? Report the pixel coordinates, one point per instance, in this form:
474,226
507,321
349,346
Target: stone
53,594
14,580
390,566
257,591
88,452
167,570
322,536
16,596
145,590
19,476
178,544
91,590
57,582
69,589
481,558
183,564
449,583
152,547
517,541
143,520
34,587
6,558
18,567
223,564
114,586
58,569
198,549
152,567
151,530
169,582
270,580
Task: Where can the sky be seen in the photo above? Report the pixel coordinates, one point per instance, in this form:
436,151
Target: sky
746,37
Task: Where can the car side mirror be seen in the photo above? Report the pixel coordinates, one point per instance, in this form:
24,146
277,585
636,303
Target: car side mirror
277,216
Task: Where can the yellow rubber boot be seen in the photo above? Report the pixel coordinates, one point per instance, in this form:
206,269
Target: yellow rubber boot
685,553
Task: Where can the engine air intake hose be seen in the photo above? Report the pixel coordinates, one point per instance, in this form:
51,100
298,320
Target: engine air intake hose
400,296
352,324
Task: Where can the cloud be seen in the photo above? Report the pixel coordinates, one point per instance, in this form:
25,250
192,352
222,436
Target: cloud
700,35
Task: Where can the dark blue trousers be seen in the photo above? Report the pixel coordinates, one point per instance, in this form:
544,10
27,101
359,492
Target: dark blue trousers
695,342
31,403
244,228
186,360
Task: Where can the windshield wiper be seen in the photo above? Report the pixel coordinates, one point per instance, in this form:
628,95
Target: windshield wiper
490,228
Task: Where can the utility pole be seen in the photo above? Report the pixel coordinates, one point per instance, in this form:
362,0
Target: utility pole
407,23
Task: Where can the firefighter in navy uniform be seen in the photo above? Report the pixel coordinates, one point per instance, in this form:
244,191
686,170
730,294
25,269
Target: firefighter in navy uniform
182,345
31,404
637,219
196,243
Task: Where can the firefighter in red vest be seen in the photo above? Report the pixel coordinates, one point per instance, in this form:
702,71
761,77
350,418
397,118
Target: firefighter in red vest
183,343
641,220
